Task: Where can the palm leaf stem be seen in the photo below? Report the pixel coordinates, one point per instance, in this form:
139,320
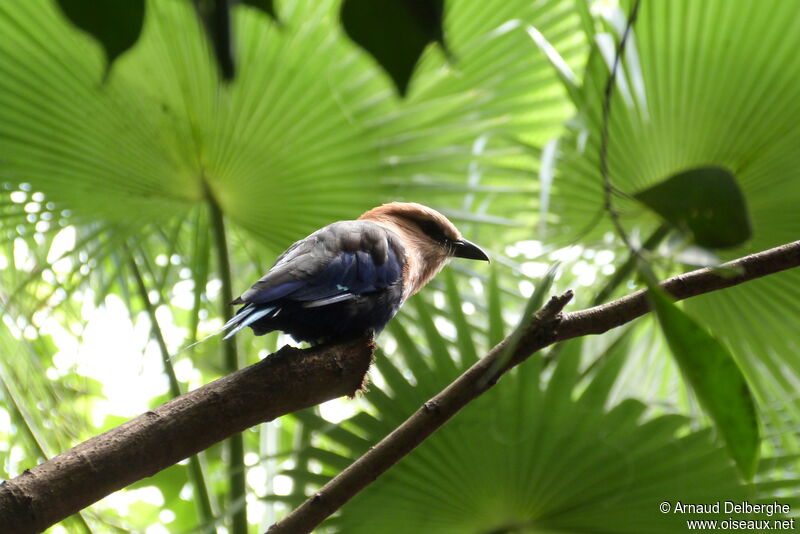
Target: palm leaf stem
195,469
235,445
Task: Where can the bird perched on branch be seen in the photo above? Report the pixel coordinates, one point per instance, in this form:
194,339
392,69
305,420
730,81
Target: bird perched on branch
351,277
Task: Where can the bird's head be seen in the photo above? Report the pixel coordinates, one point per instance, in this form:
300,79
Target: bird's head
430,232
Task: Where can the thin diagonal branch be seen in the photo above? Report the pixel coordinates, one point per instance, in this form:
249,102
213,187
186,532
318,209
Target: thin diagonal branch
424,422
547,328
603,318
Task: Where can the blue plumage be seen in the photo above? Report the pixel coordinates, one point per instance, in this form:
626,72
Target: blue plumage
339,282
351,277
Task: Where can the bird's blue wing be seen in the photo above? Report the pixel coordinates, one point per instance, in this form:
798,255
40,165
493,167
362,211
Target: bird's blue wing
337,263
345,276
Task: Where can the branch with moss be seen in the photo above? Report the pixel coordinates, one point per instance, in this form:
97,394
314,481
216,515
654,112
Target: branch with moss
292,379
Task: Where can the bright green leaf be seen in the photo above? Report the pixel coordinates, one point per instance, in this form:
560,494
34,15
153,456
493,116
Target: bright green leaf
495,311
715,378
703,106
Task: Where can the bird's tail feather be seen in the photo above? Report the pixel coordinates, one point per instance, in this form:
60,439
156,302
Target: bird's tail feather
245,318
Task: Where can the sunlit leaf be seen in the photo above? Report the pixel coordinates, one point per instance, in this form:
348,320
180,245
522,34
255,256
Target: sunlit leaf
464,331
716,379
495,309
534,303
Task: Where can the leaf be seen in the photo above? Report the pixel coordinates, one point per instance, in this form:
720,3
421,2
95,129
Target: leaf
534,303
495,309
715,378
436,343
705,107
533,455
216,18
394,32
267,6
145,155
310,118
116,24
706,201
464,331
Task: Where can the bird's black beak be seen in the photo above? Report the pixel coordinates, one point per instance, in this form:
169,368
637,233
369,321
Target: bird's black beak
465,249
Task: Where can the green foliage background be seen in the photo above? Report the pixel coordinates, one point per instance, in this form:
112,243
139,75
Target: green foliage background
503,137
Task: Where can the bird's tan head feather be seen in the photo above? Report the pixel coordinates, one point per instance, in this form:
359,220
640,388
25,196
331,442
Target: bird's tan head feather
425,233
413,214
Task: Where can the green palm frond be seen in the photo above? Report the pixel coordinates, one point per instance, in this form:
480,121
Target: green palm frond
309,118
686,98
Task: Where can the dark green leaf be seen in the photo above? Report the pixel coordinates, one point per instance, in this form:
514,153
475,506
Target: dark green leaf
495,311
705,201
116,24
267,6
216,17
413,357
394,32
535,302
464,331
606,370
437,344
395,381
715,378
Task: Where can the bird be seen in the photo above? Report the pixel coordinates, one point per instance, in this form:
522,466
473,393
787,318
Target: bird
351,277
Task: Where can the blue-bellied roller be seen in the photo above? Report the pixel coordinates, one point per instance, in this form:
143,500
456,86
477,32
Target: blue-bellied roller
351,277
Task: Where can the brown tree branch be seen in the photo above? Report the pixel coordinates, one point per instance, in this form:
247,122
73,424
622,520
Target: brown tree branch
548,327
287,381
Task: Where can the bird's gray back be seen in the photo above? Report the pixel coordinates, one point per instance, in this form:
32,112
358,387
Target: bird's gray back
319,253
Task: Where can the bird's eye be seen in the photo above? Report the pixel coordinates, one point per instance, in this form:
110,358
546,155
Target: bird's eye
433,230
